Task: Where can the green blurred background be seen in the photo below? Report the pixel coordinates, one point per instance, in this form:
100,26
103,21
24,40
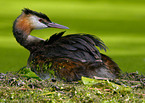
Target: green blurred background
119,23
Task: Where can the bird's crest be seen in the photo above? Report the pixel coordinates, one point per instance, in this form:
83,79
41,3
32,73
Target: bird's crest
41,15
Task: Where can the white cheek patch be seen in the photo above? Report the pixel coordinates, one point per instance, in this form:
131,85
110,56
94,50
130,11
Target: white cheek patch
36,24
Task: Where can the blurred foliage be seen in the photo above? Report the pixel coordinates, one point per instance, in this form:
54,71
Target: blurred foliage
120,24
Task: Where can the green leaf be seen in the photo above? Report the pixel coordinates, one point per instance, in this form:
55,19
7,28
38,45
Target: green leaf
26,72
106,84
89,81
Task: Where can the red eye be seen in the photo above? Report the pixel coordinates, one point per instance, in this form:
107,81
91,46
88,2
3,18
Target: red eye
40,20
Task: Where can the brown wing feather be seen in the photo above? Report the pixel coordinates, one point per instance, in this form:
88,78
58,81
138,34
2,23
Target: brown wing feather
110,64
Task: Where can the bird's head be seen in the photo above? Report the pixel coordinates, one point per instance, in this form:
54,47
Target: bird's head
35,20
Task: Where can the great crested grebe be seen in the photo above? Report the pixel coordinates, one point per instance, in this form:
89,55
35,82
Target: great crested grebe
69,57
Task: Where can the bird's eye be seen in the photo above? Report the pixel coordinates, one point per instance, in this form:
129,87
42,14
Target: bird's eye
40,20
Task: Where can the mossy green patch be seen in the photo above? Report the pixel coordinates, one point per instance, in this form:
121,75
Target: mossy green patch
15,87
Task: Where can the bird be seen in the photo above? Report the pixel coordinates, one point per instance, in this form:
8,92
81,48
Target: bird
66,58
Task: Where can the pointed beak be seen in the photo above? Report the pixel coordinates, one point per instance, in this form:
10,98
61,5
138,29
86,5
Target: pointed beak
55,25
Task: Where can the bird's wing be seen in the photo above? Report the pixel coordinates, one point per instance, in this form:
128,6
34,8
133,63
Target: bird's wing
80,47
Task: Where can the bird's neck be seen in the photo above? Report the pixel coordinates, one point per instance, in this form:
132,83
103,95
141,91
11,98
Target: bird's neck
21,31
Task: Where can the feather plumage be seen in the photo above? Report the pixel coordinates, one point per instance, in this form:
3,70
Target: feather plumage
69,57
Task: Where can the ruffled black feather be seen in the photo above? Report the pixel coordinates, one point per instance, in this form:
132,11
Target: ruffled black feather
78,40
81,47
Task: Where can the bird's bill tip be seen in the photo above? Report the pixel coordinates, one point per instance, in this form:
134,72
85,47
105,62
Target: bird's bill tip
55,25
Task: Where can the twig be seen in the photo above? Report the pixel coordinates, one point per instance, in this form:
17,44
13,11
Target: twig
140,94
100,89
101,78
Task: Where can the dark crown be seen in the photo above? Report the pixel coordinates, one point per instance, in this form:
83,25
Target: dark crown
41,15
